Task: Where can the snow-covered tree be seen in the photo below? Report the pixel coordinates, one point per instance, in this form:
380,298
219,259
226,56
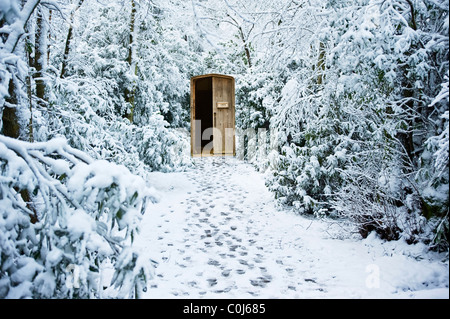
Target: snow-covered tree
63,215
357,118
109,76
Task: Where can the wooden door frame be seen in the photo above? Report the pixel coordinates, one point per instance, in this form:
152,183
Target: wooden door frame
192,101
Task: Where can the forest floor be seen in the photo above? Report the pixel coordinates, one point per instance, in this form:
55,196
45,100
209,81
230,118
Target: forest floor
216,232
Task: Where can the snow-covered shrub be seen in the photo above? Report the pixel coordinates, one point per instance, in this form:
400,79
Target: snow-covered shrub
74,112
436,178
162,148
362,123
62,216
315,135
377,199
412,65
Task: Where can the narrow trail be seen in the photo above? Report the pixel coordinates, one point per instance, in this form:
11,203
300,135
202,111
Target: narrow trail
216,233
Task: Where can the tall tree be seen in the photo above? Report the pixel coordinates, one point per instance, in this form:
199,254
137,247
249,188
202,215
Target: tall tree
40,53
15,20
69,39
130,92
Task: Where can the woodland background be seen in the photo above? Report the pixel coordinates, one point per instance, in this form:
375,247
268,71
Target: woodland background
94,95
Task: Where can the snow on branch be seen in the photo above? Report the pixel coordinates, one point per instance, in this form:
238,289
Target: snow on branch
18,26
85,213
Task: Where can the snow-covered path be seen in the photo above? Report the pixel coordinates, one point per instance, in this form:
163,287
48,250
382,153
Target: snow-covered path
216,233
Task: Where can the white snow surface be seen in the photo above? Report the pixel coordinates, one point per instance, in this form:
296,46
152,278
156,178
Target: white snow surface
216,232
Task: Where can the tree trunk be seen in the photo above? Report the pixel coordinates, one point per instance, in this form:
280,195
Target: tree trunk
244,39
30,61
130,93
130,43
39,54
69,40
246,47
49,37
321,64
11,126
406,136
10,120
66,52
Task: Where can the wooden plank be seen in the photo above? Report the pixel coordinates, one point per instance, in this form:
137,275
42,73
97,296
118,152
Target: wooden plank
223,116
192,116
218,114
212,75
233,113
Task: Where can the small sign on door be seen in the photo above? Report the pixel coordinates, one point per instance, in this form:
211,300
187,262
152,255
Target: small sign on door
222,105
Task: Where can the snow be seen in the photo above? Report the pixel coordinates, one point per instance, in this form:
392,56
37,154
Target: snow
216,232
54,257
80,223
27,269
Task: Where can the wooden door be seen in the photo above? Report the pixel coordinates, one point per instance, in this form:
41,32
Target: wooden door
223,115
